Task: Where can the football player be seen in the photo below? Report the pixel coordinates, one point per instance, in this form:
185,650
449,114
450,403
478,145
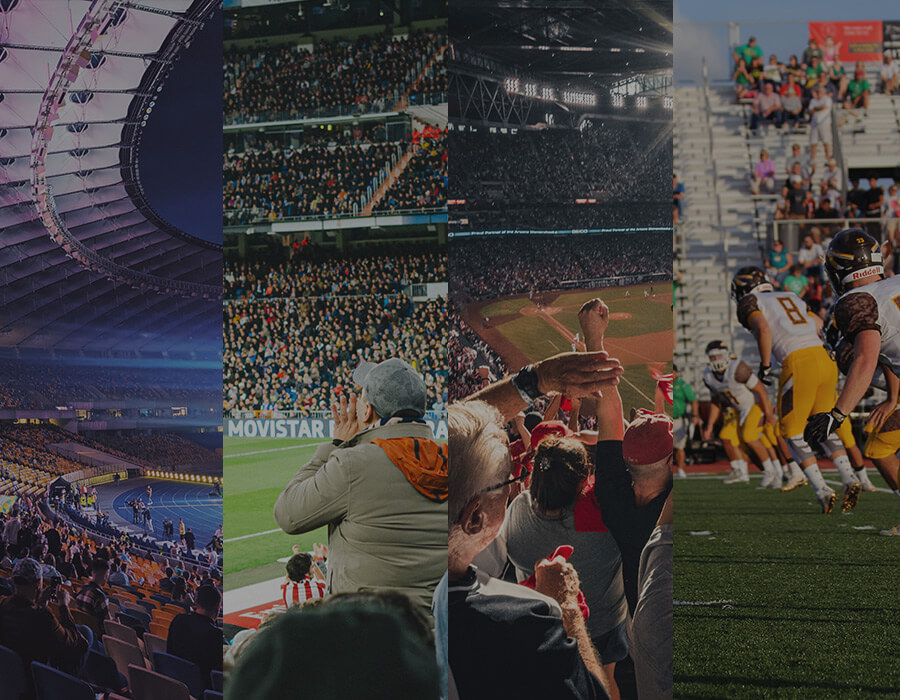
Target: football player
785,329
732,383
867,319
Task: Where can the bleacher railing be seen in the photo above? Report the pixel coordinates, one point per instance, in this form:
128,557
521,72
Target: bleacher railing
791,231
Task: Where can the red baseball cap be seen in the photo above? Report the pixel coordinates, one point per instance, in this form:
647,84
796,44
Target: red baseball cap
648,439
546,429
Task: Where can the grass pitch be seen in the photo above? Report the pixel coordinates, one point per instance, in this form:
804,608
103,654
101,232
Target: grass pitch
256,471
786,602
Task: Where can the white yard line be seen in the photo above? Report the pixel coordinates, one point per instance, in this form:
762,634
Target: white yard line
255,534
262,452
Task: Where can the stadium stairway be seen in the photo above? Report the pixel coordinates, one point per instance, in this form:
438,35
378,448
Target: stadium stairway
387,183
718,233
875,140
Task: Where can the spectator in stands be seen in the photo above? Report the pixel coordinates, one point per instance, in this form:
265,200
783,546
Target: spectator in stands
892,209
811,256
890,76
837,82
874,199
743,81
832,175
796,281
763,174
747,52
301,584
527,635
794,198
794,68
772,71
812,53
194,636
31,630
832,90
677,199
91,598
791,100
779,262
812,74
767,106
820,122
383,452
756,73
117,575
799,164
539,519
858,91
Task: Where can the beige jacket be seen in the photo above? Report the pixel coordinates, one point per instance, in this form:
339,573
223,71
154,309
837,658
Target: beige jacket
382,532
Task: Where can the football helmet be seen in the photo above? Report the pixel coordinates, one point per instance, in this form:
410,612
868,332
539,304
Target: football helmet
717,353
747,279
852,255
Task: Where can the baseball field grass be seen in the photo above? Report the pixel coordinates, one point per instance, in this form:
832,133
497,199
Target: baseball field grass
776,600
256,471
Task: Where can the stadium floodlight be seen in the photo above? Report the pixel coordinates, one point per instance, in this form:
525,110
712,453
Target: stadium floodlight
642,102
511,84
668,102
530,90
618,100
547,93
548,117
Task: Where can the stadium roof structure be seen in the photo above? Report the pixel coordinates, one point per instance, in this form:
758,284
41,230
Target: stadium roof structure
85,261
567,38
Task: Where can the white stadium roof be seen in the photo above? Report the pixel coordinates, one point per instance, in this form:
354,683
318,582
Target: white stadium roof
85,262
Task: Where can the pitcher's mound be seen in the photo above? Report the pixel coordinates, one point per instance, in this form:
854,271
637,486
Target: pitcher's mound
619,316
534,311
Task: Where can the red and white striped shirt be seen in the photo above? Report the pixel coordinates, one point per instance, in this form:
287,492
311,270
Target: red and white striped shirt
307,589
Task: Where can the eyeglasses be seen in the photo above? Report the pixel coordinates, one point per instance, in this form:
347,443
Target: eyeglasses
522,476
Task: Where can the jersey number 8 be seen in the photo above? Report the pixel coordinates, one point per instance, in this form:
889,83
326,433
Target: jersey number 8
796,316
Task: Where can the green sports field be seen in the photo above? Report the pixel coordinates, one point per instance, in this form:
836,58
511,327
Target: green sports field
256,470
776,600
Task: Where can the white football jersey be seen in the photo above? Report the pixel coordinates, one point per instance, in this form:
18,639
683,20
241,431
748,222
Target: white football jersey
789,320
855,312
735,393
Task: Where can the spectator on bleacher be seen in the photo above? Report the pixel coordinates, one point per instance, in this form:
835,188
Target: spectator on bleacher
677,199
874,199
764,173
117,575
773,71
748,51
31,630
194,636
383,452
756,69
791,100
820,122
892,209
814,296
779,262
557,508
829,87
811,53
858,91
832,175
811,75
837,82
799,164
794,197
743,82
810,256
824,210
794,68
91,598
796,281
526,634
301,584
830,52
890,75
767,106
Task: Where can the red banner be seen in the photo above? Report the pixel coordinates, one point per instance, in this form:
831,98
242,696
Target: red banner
851,41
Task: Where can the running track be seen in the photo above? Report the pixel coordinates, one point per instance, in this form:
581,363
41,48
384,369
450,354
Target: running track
171,499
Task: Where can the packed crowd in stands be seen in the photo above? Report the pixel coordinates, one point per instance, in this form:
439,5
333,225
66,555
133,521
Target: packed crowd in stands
161,450
473,363
558,217
609,161
367,74
560,473
313,180
486,267
423,182
299,354
68,597
786,91
35,385
376,270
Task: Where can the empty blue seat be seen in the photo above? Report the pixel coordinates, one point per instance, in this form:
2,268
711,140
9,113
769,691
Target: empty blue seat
218,681
12,672
101,670
50,684
212,695
181,670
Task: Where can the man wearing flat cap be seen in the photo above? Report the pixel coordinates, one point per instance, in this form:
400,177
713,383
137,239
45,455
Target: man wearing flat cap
380,486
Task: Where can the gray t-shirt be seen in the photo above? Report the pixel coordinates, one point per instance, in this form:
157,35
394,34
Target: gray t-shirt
531,537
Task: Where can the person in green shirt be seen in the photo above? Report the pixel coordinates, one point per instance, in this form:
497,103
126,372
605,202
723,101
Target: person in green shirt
796,282
685,420
748,51
812,72
858,91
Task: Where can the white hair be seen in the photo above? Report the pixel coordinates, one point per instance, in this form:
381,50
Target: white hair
479,452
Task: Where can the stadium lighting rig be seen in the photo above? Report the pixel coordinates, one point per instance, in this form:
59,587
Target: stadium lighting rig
548,93
179,476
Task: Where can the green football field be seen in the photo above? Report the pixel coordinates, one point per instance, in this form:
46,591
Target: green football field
776,600
256,471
